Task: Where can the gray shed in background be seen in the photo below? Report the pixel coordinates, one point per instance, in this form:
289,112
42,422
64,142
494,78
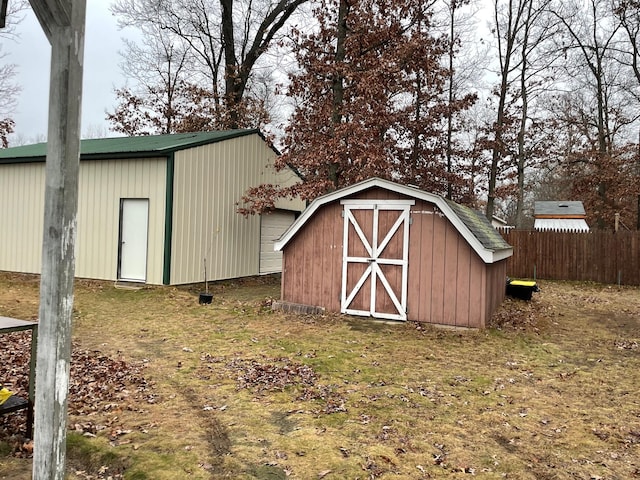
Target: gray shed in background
560,216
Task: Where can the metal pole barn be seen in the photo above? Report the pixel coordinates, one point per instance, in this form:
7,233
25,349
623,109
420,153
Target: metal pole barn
63,22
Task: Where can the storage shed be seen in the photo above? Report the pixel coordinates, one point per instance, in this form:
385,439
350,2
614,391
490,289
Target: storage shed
389,251
151,208
560,216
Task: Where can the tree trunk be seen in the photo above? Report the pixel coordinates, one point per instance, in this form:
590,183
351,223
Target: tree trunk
451,97
505,63
231,64
338,81
522,131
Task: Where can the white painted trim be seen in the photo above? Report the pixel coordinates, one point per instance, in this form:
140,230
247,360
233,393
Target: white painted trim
356,227
488,256
385,283
347,301
381,204
373,271
392,231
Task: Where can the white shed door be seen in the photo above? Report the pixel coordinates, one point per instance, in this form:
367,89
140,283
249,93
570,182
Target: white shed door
272,226
375,258
134,221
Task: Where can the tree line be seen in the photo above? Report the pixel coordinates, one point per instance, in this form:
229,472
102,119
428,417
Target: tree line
490,104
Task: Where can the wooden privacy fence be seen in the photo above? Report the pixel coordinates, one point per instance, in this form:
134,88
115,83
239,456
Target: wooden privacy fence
597,256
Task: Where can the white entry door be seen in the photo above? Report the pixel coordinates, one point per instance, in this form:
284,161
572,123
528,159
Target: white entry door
134,223
375,258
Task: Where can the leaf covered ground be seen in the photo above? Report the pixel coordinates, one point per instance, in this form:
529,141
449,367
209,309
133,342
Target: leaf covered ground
167,388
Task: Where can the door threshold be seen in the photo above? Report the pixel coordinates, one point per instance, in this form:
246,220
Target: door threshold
129,285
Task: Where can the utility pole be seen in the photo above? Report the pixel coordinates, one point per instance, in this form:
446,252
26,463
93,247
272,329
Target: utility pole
63,22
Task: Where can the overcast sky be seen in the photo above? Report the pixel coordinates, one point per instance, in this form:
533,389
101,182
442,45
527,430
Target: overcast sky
31,53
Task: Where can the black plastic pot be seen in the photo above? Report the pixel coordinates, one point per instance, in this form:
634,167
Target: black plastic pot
205,298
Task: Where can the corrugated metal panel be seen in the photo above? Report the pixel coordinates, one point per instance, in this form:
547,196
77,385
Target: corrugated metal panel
209,181
272,226
561,224
21,217
102,184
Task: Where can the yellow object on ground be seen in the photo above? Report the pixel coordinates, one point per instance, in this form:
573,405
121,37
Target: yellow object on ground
522,283
4,395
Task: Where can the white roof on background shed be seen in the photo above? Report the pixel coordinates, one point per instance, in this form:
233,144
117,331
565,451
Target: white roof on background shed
561,224
473,226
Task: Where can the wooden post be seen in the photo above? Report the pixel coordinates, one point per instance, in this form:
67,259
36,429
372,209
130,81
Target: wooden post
63,23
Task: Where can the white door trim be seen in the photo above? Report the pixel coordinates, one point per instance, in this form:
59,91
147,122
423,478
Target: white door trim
133,237
374,257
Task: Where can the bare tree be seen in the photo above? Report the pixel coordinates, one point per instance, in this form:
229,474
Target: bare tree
509,21
158,67
536,62
463,67
9,89
226,39
628,12
599,101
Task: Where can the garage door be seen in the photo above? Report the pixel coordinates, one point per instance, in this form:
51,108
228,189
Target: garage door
273,225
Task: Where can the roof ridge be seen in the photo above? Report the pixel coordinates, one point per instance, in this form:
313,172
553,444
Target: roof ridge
140,145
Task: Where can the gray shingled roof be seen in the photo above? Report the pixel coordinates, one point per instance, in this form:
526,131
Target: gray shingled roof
479,226
558,207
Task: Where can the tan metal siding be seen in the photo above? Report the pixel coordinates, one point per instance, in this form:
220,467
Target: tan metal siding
21,217
272,226
209,181
102,184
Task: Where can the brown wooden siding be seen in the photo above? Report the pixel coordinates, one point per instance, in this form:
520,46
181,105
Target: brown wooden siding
312,261
445,275
496,286
448,283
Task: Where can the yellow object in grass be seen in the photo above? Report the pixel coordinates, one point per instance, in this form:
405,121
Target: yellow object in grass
4,395
522,283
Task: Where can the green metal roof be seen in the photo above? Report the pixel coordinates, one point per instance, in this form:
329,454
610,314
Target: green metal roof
119,147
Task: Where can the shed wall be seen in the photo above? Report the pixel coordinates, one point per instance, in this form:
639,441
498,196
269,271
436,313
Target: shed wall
312,261
448,283
208,182
21,217
496,287
101,186
446,277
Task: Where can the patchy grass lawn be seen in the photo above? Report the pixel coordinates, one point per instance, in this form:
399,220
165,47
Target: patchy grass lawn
238,391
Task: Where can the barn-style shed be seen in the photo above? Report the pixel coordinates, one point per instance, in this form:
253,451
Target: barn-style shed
151,208
389,251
